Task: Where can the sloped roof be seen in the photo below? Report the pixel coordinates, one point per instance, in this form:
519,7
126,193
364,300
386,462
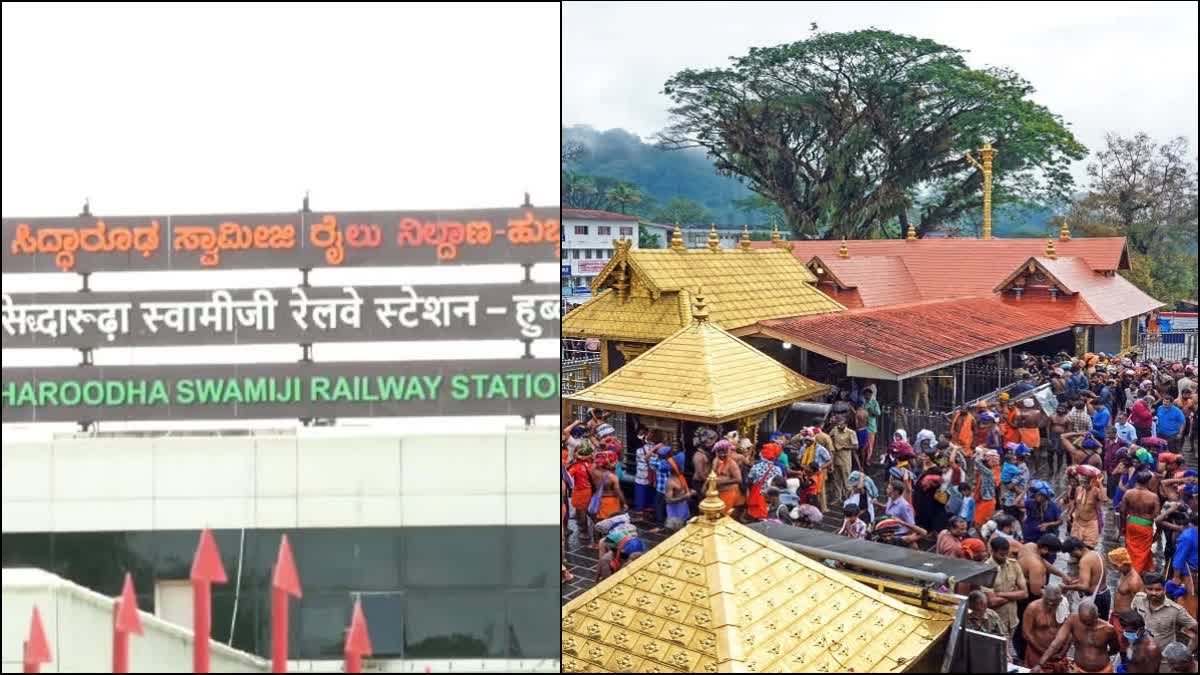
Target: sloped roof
703,374
637,319
960,267
912,337
879,280
590,214
1111,297
719,597
745,286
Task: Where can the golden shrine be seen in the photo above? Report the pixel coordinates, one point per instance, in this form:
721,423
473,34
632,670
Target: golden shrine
642,295
718,597
700,373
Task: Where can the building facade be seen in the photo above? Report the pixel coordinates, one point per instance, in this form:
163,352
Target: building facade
453,570
588,242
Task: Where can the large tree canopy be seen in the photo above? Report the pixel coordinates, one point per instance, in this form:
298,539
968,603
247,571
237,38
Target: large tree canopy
1147,192
848,132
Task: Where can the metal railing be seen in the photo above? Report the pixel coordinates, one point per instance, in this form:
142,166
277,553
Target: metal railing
1172,345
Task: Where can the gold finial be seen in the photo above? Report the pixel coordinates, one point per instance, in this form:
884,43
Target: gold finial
1050,252
714,241
711,507
912,233
699,307
745,244
1065,232
677,238
775,238
843,252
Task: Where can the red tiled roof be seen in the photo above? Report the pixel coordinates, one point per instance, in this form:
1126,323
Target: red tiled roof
887,272
879,280
589,214
1106,297
960,267
912,337
1110,296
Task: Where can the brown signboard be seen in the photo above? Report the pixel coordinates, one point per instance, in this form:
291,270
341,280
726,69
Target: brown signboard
302,390
281,315
280,240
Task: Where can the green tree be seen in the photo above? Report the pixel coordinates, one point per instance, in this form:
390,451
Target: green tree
1147,192
848,132
760,209
578,191
683,211
572,152
648,239
623,196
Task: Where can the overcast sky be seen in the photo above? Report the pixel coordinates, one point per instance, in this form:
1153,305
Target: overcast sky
1103,66
151,109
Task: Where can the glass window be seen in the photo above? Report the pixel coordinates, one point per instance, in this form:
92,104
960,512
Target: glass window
385,619
627,231
533,618
603,230
581,229
455,556
457,624
321,624
587,253
535,562
575,254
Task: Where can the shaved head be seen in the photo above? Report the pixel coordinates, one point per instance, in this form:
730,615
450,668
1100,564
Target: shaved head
1052,592
1087,611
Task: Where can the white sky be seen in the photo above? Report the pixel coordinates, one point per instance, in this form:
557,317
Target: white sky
221,108
1103,66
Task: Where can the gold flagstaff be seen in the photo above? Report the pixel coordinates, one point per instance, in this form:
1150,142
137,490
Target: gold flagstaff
987,153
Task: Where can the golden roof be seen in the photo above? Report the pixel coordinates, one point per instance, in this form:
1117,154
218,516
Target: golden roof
700,373
637,318
746,286
718,597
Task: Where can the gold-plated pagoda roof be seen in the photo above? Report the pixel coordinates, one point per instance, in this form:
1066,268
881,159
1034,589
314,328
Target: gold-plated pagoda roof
637,319
700,373
718,597
745,285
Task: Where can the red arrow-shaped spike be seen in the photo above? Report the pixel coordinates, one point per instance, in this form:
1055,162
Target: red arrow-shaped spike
128,620
206,570
206,565
286,578
284,582
37,649
358,642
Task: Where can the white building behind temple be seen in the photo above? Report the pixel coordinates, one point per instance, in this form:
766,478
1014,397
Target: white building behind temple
588,242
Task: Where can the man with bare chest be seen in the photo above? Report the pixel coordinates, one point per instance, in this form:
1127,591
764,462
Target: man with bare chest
1034,558
1129,585
1139,508
1093,638
1090,584
1040,623
701,463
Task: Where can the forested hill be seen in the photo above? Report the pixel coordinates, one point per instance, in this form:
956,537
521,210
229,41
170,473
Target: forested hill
663,174
660,174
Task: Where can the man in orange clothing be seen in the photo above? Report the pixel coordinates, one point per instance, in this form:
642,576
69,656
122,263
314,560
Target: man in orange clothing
1029,424
1139,507
1008,420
